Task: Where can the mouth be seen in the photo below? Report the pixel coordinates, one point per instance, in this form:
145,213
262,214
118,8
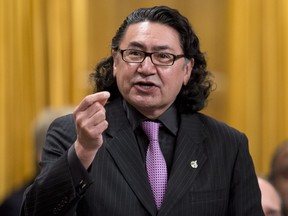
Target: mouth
145,85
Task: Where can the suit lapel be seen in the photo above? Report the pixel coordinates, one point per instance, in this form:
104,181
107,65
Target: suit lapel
188,160
124,149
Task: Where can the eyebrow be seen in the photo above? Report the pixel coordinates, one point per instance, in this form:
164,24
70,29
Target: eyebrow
155,48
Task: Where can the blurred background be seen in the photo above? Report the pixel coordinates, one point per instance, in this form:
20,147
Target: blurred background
49,47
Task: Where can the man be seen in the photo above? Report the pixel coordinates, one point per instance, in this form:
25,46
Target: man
279,173
105,159
271,201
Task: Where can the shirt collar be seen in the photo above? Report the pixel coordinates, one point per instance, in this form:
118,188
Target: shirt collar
169,118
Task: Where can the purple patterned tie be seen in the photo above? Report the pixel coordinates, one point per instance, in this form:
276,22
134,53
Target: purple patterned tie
155,162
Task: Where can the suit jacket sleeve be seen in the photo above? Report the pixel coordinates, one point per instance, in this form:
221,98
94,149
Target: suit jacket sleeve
245,194
58,188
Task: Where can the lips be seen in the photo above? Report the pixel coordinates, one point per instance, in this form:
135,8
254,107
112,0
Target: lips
145,85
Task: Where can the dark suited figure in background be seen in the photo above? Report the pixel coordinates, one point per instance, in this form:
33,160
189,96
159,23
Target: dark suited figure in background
279,173
95,162
12,204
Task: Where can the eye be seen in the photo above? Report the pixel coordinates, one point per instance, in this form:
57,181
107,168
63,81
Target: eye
135,53
163,56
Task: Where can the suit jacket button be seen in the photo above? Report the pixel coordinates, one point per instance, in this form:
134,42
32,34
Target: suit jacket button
82,184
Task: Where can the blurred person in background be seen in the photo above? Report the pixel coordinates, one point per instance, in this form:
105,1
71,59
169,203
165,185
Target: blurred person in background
279,173
12,204
271,201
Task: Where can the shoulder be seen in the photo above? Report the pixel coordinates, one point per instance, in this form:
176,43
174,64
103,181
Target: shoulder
217,133
66,121
61,134
63,125
222,139
212,124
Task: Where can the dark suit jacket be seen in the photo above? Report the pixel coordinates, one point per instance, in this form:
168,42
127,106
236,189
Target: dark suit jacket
212,173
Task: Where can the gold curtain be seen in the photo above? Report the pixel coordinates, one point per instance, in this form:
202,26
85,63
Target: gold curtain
16,92
49,47
43,63
258,74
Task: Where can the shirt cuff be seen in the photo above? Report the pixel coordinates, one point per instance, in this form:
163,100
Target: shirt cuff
81,178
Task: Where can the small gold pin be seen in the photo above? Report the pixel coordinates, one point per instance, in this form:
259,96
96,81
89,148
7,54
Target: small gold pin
194,164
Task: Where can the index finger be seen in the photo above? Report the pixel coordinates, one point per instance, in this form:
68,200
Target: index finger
101,97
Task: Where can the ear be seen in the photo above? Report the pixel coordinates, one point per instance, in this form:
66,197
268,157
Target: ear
189,64
115,61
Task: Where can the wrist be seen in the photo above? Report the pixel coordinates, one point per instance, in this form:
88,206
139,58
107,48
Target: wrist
86,156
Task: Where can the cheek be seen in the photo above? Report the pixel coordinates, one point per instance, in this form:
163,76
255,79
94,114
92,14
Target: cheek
172,84
177,79
123,78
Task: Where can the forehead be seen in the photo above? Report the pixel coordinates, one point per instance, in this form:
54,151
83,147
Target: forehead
151,35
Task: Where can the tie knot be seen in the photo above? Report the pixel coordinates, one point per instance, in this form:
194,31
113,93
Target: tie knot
151,129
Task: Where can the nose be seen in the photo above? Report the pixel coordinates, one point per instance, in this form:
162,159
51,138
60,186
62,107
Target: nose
147,67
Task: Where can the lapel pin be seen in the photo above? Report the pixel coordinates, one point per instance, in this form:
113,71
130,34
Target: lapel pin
194,164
